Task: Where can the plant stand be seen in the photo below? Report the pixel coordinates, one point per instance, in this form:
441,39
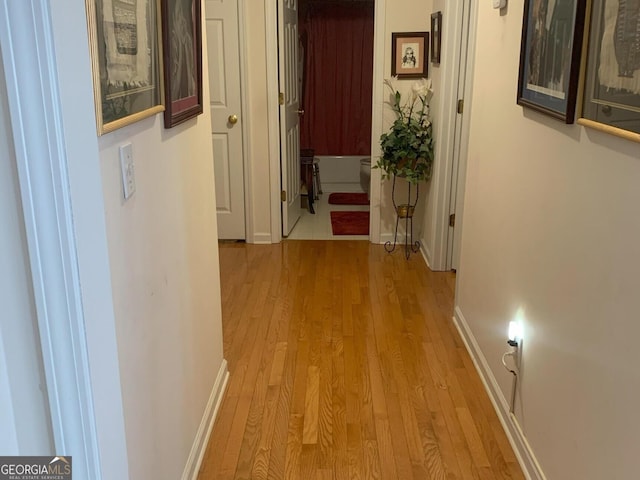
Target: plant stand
404,210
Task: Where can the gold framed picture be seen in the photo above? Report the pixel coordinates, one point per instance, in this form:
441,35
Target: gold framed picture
126,61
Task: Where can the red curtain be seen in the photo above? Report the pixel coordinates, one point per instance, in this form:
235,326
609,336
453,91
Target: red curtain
337,80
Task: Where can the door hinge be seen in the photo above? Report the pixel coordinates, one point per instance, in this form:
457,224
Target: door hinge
460,105
283,195
281,98
452,220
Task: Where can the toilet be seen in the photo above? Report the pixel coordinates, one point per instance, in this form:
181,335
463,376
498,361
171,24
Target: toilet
365,174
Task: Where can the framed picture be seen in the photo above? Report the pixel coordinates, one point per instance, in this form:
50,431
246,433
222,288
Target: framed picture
550,54
126,61
182,42
436,36
410,54
611,100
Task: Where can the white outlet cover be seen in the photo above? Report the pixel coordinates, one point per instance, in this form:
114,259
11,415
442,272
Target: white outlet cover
127,170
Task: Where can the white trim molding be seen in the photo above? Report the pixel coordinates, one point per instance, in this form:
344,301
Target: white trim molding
246,123
375,189
35,113
526,458
201,441
271,33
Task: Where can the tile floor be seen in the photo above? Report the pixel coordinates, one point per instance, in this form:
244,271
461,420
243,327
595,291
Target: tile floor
318,226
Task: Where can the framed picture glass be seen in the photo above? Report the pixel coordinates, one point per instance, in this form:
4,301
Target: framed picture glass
182,42
126,61
550,53
436,36
612,80
410,54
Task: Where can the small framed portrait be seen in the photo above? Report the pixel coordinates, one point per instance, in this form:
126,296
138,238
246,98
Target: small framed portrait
436,36
410,54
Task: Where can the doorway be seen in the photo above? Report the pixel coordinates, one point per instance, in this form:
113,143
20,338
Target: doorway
435,233
334,53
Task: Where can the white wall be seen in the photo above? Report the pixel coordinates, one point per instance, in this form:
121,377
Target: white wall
24,411
166,287
551,229
159,312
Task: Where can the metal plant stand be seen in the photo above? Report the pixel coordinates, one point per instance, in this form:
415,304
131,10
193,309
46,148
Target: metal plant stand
406,211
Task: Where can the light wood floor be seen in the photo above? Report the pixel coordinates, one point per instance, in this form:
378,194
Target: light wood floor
345,364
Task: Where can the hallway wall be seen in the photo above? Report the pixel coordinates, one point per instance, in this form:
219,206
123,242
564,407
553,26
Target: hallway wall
162,297
166,286
551,235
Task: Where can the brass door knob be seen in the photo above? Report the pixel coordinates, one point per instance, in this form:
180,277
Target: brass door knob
233,119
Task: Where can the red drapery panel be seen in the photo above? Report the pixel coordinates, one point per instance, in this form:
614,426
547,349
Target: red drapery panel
337,43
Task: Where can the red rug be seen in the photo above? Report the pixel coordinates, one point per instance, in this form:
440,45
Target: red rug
348,199
350,223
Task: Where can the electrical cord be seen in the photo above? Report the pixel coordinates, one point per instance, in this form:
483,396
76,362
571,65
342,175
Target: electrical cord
504,362
514,371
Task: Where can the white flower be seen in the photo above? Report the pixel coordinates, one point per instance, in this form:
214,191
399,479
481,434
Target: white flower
422,89
391,83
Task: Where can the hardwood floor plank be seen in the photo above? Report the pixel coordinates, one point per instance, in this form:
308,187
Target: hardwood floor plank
345,365
311,406
278,364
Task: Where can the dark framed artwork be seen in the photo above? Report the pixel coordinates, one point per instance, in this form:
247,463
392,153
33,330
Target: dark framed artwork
611,100
550,54
410,54
436,36
182,42
124,40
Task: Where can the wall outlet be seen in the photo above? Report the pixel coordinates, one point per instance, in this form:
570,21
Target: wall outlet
128,172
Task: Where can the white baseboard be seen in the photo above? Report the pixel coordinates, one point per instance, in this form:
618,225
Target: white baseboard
386,237
199,447
526,458
261,239
426,253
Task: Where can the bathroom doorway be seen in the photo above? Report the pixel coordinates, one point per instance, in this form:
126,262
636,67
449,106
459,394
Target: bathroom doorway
336,41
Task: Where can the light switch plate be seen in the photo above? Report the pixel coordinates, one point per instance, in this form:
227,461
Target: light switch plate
128,172
499,3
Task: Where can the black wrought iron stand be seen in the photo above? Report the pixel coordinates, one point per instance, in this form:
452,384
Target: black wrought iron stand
406,211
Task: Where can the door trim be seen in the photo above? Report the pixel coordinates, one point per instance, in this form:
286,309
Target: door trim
246,125
377,105
271,32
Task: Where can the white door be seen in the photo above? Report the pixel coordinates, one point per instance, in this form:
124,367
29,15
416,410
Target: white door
226,123
289,111
459,166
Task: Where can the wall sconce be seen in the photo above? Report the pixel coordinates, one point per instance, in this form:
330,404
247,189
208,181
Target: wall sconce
514,340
